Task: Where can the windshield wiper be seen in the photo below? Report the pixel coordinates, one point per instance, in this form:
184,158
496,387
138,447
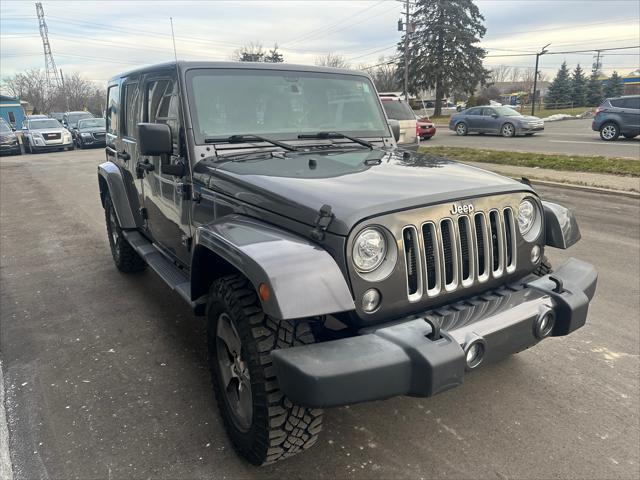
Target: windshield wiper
249,137
330,135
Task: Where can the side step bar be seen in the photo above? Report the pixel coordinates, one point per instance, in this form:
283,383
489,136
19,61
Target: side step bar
165,268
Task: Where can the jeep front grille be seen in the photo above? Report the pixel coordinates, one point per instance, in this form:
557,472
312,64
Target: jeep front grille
446,255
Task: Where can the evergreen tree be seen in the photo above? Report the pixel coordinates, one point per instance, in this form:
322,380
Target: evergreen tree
560,89
274,56
578,87
614,86
594,95
443,44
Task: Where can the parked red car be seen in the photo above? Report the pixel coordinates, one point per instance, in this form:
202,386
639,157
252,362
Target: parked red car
425,129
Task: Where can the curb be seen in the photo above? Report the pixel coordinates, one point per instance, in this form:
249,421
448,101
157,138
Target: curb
584,188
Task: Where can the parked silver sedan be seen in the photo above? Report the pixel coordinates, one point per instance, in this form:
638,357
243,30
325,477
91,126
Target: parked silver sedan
497,120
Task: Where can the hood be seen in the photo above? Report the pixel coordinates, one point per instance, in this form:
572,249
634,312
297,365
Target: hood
4,136
529,118
357,184
45,131
92,130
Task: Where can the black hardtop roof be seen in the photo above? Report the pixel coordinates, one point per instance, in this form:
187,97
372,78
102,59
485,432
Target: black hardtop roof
188,65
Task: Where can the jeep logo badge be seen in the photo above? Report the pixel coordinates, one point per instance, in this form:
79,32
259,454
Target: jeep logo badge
458,209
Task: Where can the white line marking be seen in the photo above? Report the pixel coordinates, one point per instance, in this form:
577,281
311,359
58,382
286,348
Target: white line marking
637,145
6,471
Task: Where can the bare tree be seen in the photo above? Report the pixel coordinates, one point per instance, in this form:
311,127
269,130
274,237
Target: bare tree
31,86
516,75
251,52
499,73
332,60
527,78
77,91
384,75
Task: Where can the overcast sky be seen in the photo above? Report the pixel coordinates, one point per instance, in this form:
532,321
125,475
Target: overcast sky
100,39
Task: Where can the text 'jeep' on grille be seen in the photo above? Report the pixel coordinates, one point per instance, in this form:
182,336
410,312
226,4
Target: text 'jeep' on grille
331,266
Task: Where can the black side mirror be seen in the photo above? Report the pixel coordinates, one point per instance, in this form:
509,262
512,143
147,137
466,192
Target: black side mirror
494,115
154,139
395,129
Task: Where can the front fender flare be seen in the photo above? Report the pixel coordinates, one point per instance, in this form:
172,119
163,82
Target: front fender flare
561,226
115,182
304,280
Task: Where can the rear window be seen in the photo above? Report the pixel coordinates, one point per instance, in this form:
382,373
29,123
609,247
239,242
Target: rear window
618,102
398,110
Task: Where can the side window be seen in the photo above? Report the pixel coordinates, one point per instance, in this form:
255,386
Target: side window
131,108
163,106
474,111
12,117
618,103
633,102
487,112
113,109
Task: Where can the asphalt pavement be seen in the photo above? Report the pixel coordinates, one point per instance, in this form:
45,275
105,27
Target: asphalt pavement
105,374
570,137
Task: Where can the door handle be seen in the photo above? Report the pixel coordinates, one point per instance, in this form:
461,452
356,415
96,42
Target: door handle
124,156
110,151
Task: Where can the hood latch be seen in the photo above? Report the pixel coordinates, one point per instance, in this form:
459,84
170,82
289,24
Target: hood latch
322,222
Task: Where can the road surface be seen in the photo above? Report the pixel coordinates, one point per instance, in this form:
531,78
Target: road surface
106,375
570,137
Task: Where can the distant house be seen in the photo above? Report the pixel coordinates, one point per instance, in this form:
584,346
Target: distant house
11,110
632,83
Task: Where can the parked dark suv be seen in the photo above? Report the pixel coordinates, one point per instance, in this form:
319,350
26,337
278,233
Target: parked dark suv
618,116
331,266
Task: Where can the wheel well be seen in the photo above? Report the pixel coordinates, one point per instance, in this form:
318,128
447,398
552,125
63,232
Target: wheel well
207,266
104,189
610,121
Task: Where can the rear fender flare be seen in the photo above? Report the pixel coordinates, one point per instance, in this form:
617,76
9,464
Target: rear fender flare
111,180
303,279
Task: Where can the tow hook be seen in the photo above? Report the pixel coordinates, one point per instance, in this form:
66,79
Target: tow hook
435,329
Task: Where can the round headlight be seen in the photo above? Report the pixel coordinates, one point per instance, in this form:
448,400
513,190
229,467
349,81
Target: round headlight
369,250
526,216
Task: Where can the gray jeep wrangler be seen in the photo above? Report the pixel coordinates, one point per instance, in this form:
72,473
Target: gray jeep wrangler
332,267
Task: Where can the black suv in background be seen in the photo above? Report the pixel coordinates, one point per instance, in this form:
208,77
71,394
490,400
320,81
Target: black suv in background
70,121
618,116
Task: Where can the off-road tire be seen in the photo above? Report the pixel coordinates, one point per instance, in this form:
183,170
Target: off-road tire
124,256
279,429
544,268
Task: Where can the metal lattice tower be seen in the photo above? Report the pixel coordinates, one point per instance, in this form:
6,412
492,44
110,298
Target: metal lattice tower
54,78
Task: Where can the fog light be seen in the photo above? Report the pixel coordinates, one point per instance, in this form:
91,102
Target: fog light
474,354
370,300
535,253
544,325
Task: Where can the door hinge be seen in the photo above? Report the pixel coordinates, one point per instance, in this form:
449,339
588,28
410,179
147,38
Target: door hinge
185,191
143,213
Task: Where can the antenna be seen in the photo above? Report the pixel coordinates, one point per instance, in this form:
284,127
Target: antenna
173,37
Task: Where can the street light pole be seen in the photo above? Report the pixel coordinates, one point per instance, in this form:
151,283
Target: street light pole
535,78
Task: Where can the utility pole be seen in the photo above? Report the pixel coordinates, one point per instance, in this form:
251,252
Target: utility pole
535,78
408,28
52,74
598,64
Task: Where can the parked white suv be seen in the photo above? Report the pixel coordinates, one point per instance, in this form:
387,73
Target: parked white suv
45,134
397,109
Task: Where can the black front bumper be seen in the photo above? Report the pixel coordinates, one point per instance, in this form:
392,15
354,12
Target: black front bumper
400,359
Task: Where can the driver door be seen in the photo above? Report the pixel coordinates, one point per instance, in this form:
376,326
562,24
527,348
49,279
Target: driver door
167,207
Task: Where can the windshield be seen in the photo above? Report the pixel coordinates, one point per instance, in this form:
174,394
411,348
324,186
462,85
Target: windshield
91,123
73,118
42,124
4,128
398,110
282,104
506,112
